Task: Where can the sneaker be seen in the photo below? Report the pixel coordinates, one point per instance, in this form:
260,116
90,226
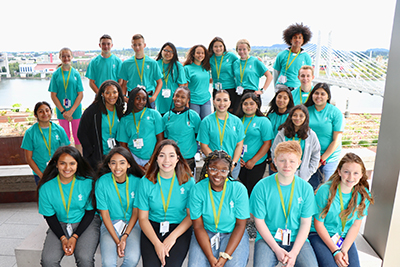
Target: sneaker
197,157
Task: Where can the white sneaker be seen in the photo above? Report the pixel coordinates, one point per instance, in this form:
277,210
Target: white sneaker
197,157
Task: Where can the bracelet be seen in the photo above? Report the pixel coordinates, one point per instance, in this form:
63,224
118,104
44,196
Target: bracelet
225,255
62,112
336,252
74,237
323,162
63,238
127,235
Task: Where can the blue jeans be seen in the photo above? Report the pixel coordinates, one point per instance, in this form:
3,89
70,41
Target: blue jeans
203,110
108,247
236,171
264,256
324,255
323,173
37,178
140,161
240,256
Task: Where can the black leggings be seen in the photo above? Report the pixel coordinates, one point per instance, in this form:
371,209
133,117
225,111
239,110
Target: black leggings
251,177
177,254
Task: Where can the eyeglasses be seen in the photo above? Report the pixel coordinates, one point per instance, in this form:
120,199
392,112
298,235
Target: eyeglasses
168,51
214,171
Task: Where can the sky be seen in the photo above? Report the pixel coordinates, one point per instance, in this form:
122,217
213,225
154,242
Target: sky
45,25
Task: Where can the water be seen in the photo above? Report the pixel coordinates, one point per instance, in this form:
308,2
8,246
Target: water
28,92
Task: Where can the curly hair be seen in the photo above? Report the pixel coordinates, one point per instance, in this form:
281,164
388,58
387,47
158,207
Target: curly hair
190,57
296,29
213,156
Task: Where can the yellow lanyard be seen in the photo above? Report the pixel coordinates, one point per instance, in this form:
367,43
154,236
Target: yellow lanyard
220,65
140,119
66,85
287,67
221,136
138,70
244,117
119,196
165,206
165,78
109,123
301,96
342,208
216,217
242,71
282,201
70,193
44,139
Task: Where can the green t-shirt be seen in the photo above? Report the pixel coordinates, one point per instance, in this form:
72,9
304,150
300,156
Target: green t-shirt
149,199
74,86
33,141
198,82
253,71
226,70
235,205
105,128
101,69
296,96
107,196
276,121
183,128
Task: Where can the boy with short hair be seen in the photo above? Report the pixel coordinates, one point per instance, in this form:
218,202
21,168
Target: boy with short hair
306,76
105,66
140,70
283,205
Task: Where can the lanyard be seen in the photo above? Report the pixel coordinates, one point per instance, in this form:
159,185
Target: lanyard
109,123
44,139
66,85
70,193
165,78
119,196
221,136
245,131
165,206
216,217
342,208
282,201
220,65
140,119
287,62
301,97
138,70
242,71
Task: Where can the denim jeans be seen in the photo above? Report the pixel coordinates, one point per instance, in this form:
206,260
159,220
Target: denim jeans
235,172
140,161
324,255
108,247
203,110
264,256
240,256
323,173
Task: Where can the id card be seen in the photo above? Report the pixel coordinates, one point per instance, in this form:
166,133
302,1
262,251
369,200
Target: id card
337,240
244,150
69,229
166,93
286,237
215,241
111,143
120,227
66,103
164,227
138,143
218,86
239,90
282,79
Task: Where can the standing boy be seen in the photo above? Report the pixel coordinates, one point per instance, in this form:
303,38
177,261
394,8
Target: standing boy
283,205
105,66
140,70
306,76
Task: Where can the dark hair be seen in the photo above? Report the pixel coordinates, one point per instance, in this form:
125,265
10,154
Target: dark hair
253,96
222,91
324,86
99,99
272,105
289,126
182,169
190,57
132,96
213,41
185,88
37,106
213,156
296,29
105,36
137,37
173,61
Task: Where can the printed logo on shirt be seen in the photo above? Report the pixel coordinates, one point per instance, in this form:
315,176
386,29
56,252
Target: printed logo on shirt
234,128
114,66
148,117
80,197
75,79
148,67
232,204
300,200
57,137
182,191
250,66
326,118
132,194
227,60
254,124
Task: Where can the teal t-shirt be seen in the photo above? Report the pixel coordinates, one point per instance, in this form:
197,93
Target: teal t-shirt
332,221
50,201
235,205
171,81
150,74
297,99
33,141
259,130
107,196
107,121
253,71
198,82
149,199
74,86
265,203
101,69
276,121
209,133
150,126
183,128
292,72
324,123
226,70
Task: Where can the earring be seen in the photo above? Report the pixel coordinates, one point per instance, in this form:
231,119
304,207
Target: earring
206,175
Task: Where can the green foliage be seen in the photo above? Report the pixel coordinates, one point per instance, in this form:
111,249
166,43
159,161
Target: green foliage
16,107
364,143
3,112
14,69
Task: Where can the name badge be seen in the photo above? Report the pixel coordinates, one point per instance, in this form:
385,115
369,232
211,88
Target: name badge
283,235
164,228
218,86
239,90
138,143
120,227
69,229
66,103
337,240
215,241
282,79
166,93
111,143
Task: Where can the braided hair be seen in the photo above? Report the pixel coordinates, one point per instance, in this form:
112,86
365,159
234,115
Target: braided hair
213,156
